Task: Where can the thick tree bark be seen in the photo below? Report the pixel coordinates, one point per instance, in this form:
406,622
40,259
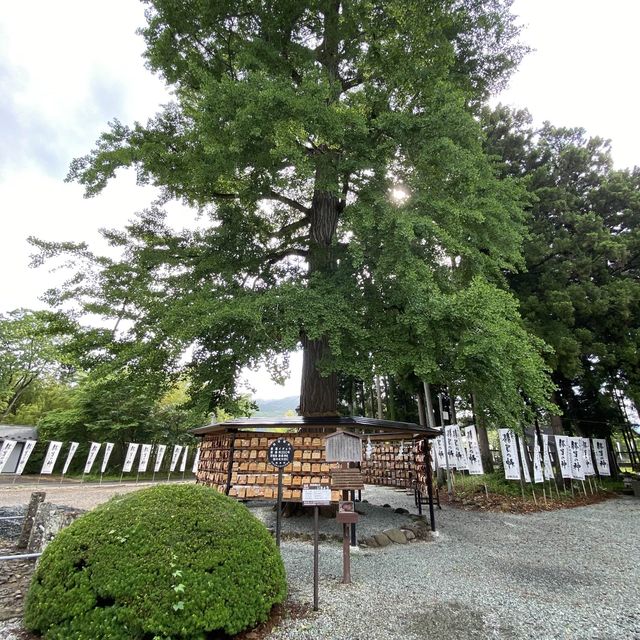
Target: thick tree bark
483,438
318,394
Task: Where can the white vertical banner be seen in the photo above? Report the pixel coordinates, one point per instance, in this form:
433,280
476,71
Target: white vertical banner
145,454
72,452
475,460
587,459
525,461
159,456
577,464
457,454
546,457
5,451
439,448
183,464
108,448
24,456
509,454
537,461
564,457
174,458
93,453
602,458
196,460
52,455
130,457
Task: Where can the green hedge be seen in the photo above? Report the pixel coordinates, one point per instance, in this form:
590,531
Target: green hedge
169,562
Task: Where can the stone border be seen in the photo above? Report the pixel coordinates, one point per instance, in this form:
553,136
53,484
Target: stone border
406,533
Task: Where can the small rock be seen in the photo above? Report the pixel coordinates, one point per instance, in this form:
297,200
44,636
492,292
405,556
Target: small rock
401,510
382,540
410,535
395,535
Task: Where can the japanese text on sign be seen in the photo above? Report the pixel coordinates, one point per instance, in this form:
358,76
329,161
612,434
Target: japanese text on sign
280,453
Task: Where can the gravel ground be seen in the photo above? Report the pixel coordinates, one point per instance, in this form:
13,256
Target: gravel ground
568,574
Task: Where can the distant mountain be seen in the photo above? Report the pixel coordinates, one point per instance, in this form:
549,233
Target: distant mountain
276,408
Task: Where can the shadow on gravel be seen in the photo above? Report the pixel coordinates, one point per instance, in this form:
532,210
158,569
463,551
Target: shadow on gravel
551,577
456,620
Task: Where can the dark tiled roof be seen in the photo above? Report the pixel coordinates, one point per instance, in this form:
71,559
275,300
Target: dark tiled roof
369,424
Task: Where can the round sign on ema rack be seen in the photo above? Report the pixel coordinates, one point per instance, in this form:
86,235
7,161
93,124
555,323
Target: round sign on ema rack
280,453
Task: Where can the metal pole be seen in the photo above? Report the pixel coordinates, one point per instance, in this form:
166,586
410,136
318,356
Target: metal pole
521,467
354,539
279,508
21,556
429,477
316,557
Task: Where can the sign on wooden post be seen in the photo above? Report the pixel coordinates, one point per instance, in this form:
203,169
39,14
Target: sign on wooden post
315,495
280,454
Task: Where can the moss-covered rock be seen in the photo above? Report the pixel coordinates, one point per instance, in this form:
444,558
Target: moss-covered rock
175,561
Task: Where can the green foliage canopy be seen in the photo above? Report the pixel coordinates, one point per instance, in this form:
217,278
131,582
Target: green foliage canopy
294,122
581,289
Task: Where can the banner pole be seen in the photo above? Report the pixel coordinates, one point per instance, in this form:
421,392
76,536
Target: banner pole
521,465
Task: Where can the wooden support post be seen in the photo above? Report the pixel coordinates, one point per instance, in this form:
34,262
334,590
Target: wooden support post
232,449
316,558
346,551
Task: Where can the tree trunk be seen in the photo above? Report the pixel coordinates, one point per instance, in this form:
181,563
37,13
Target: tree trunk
556,420
422,414
318,394
483,438
431,418
379,398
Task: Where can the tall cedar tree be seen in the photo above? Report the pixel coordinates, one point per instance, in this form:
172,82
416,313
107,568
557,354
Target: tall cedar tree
293,125
581,289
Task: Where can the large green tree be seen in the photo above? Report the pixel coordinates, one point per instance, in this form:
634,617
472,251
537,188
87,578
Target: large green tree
581,289
31,354
333,151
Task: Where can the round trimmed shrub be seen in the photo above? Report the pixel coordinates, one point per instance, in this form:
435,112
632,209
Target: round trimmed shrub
175,561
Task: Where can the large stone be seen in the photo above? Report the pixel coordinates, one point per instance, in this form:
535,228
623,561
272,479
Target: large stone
49,520
395,535
382,539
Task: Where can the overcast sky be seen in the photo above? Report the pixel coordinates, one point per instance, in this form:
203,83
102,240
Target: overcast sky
67,68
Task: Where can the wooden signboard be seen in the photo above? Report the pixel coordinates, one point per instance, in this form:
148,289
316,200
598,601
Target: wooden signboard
347,479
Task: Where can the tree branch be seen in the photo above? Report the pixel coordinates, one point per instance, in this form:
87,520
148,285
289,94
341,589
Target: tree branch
288,229
286,253
294,204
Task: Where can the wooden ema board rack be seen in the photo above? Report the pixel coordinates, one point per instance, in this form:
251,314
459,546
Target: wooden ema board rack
421,476
392,464
251,474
